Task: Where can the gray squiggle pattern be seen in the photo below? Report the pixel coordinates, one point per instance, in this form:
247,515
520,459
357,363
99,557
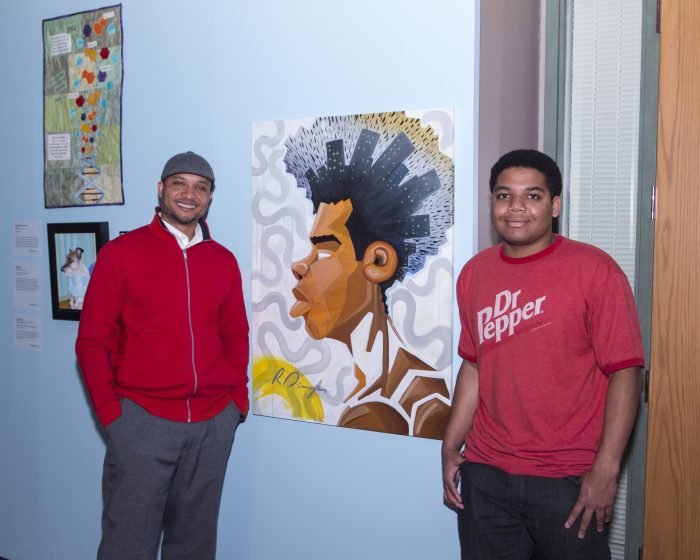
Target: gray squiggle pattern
442,334
285,211
318,367
293,213
445,121
266,141
337,398
276,259
276,298
277,174
429,288
293,356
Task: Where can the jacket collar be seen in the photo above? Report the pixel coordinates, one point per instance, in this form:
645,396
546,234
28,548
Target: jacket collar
159,226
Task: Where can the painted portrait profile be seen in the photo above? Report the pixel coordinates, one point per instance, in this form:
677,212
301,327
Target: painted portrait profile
352,271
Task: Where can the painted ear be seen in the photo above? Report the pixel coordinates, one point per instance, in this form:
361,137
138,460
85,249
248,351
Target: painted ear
379,262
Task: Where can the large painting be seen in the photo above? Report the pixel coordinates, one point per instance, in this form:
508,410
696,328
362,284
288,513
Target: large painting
82,108
352,270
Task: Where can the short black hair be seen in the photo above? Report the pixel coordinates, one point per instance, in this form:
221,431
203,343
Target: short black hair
531,159
383,205
400,193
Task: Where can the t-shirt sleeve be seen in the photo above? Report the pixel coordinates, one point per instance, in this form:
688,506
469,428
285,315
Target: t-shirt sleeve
614,324
466,348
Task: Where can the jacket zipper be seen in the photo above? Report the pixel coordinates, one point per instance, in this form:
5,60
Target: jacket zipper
189,319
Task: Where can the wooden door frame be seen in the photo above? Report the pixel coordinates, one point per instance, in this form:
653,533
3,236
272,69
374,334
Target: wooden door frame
673,455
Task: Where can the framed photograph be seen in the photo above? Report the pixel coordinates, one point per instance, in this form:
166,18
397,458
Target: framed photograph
73,249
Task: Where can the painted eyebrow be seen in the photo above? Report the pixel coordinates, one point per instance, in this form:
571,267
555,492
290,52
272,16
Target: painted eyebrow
317,239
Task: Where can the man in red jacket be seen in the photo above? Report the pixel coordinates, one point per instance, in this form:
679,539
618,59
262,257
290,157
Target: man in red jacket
163,347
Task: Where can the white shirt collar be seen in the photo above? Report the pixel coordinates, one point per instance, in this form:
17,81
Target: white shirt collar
182,240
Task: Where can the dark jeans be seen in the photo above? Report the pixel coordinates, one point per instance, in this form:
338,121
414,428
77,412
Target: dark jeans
518,517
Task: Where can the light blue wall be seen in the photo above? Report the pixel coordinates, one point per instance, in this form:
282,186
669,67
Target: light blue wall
197,74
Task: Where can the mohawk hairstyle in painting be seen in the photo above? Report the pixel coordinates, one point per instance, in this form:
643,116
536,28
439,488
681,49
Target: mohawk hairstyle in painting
393,172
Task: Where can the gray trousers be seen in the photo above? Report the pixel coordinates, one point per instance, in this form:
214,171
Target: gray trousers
163,476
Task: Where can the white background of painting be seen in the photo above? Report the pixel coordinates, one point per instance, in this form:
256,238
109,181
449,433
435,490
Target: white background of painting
197,75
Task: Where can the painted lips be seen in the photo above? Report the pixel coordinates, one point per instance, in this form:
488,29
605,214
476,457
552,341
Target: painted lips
301,307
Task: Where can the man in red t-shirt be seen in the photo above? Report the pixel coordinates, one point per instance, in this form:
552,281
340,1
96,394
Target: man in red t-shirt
547,393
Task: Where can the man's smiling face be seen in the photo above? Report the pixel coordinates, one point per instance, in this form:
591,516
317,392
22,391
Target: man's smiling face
522,210
184,199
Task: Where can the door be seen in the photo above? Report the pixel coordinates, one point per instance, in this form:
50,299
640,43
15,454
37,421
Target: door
672,512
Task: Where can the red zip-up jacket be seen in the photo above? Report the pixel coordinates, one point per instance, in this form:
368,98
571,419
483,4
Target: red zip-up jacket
164,327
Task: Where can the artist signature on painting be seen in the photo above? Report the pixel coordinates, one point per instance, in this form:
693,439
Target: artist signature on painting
293,380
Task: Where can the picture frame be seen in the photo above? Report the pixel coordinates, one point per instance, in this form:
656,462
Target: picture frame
82,94
73,249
